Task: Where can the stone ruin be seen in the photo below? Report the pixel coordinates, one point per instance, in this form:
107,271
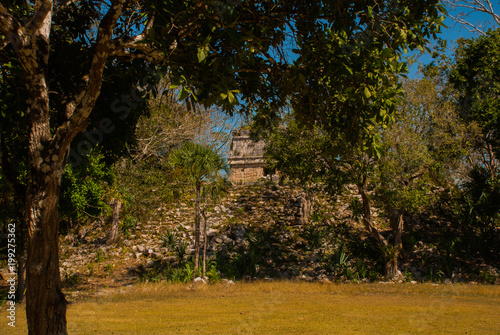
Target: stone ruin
246,158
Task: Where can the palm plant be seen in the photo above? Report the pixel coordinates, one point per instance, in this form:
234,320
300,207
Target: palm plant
199,166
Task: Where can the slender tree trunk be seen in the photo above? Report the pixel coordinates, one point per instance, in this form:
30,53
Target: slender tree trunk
398,232
204,243
197,230
391,253
114,236
45,302
396,223
367,218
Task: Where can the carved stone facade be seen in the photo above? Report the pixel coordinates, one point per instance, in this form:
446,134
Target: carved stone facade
246,158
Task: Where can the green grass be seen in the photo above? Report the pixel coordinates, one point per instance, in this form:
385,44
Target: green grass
286,308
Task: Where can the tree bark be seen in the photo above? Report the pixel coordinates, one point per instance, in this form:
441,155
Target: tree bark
114,236
45,302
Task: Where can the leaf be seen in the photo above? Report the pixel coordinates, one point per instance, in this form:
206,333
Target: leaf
370,12
202,53
348,69
367,93
231,98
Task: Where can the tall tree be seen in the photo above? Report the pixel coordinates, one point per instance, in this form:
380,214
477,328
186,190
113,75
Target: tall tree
417,154
199,166
475,77
219,52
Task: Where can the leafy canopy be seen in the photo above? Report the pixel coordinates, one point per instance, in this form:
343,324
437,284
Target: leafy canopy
197,164
476,77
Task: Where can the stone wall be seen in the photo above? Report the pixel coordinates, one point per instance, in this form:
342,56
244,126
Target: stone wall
246,174
246,158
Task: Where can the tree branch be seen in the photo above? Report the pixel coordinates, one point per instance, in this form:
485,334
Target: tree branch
121,43
483,6
43,13
80,108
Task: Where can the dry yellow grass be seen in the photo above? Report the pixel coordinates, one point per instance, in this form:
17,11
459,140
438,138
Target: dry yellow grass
285,308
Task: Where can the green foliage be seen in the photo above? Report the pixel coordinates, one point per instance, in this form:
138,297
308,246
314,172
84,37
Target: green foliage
169,239
163,271
423,149
481,196
128,225
181,250
475,75
434,275
246,260
213,274
86,188
407,274
356,207
315,233
197,163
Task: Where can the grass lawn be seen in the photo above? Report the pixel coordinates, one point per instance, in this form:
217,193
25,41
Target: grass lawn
284,308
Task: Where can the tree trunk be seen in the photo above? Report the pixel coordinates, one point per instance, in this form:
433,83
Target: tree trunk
47,150
114,236
398,232
45,302
197,230
391,267
204,243
391,253
367,218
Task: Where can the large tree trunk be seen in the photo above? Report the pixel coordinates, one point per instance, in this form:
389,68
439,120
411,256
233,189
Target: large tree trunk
197,231
45,302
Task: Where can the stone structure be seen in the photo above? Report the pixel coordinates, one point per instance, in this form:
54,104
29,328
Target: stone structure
246,158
